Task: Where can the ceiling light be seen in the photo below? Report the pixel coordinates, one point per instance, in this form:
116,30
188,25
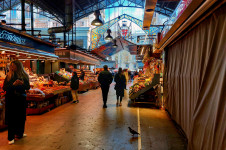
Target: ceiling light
149,10
43,61
115,45
17,54
3,52
97,21
50,39
39,35
145,28
142,51
108,37
3,22
28,56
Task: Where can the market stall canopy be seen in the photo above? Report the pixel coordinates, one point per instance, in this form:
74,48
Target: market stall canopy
107,49
76,56
23,51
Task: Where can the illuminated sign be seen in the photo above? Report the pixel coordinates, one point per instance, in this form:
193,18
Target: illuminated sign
5,35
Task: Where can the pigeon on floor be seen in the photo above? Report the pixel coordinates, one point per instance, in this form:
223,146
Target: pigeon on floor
133,131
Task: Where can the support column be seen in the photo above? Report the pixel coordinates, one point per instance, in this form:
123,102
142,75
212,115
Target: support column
23,15
68,41
72,35
32,19
64,38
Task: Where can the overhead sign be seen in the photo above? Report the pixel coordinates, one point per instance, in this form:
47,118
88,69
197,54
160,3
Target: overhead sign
16,38
11,37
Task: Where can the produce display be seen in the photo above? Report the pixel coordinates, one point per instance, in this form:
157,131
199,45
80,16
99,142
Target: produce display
65,74
140,83
89,82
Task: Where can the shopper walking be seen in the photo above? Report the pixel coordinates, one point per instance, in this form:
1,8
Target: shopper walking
120,85
125,72
105,79
15,84
74,87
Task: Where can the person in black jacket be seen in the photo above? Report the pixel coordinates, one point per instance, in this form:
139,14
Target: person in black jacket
15,84
74,87
105,79
120,85
82,75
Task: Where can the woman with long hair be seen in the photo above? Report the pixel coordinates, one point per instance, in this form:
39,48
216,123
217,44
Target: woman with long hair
15,84
120,85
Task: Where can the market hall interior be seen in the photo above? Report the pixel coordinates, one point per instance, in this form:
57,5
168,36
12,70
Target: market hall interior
88,126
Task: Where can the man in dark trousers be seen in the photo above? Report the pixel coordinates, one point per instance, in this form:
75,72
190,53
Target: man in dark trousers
105,79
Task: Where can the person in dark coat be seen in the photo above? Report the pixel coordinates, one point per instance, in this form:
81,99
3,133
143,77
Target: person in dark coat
82,75
74,87
120,85
105,79
15,84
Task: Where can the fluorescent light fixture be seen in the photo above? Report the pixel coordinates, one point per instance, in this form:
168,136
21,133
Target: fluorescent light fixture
142,51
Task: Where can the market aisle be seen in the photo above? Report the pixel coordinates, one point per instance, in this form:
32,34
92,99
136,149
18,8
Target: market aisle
87,126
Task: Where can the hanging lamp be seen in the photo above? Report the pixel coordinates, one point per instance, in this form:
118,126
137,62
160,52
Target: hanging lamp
108,37
97,21
39,35
114,45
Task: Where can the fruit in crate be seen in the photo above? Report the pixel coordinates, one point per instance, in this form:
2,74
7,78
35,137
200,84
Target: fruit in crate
81,82
50,81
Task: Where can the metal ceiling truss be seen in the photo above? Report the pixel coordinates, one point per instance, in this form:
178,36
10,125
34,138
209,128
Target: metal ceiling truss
163,10
40,12
104,4
126,3
6,5
97,32
58,14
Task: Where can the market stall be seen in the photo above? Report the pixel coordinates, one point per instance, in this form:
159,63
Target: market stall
45,94
146,86
89,82
37,57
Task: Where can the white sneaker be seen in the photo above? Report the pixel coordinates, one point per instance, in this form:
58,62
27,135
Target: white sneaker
11,142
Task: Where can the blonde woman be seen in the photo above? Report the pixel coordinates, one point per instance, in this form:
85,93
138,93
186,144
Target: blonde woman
15,84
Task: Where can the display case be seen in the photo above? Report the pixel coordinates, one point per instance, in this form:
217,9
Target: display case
145,89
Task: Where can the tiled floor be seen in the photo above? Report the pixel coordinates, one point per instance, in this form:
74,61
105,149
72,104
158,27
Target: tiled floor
87,126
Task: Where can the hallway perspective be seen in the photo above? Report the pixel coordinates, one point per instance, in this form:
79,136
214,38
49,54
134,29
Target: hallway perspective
88,126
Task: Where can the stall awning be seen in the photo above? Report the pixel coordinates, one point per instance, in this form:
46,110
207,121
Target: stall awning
9,47
76,56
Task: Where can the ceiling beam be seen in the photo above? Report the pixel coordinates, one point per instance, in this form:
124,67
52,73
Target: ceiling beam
78,5
89,2
148,13
168,0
